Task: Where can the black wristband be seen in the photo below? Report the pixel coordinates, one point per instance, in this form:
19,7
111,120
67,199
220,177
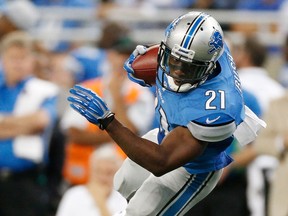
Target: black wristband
103,123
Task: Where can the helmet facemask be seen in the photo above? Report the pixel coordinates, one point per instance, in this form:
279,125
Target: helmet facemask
180,71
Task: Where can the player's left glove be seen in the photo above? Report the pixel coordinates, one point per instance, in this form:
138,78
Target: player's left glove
139,50
91,106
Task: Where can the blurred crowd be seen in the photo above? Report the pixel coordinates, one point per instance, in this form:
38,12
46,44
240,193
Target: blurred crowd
54,162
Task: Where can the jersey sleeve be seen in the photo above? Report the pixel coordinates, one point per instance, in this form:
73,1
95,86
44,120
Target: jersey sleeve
212,128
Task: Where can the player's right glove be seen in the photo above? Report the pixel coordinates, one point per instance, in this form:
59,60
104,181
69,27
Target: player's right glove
91,106
139,50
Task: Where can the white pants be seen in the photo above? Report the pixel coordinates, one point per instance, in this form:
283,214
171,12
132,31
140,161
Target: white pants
174,193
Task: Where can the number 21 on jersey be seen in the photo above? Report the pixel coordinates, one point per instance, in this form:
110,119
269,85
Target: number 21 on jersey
212,95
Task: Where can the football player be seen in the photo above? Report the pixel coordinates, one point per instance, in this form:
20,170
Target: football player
199,107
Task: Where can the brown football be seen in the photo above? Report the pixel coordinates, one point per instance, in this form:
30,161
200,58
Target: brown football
145,65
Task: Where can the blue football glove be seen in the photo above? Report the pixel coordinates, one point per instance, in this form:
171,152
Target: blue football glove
91,106
140,50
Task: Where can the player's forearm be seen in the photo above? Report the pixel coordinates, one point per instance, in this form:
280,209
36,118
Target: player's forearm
144,152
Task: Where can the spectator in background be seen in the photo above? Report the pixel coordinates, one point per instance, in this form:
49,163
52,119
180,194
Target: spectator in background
97,197
28,113
17,15
274,141
22,15
250,58
132,104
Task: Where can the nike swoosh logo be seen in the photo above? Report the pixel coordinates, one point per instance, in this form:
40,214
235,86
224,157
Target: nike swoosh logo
208,121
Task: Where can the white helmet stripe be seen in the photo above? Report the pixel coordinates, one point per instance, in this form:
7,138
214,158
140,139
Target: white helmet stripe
193,29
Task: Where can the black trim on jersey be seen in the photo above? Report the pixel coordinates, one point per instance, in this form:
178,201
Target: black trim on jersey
199,191
190,180
176,195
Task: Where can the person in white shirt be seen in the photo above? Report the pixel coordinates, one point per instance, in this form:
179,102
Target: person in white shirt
97,197
250,58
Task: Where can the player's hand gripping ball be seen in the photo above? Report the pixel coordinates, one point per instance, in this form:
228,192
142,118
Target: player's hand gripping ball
141,66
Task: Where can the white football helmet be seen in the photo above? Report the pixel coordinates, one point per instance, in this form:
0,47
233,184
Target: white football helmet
193,43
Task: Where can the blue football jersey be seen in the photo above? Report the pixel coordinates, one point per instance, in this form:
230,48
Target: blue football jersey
217,102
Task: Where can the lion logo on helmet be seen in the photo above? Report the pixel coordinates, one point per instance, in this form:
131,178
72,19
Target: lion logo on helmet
216,42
